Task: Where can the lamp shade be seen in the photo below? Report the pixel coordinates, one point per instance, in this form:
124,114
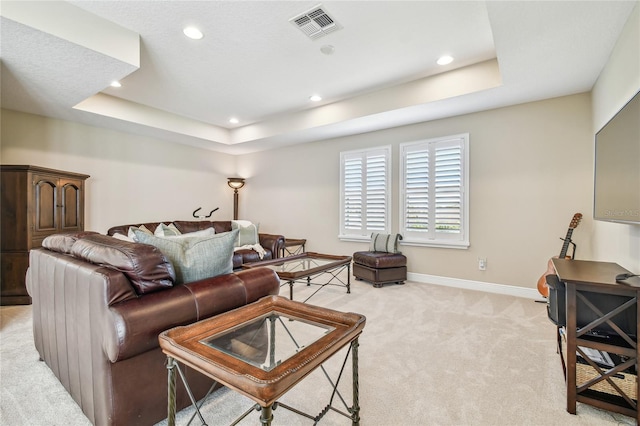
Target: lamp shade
235,183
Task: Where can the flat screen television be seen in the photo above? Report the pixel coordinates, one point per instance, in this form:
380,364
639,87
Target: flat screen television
617,167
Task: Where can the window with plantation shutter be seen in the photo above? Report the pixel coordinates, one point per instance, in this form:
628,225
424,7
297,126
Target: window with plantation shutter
434,199
364,192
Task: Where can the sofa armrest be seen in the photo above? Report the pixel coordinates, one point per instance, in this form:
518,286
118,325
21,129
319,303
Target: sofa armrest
134,325
272,242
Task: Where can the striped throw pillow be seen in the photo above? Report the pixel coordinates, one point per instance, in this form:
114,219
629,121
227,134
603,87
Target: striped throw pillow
385,242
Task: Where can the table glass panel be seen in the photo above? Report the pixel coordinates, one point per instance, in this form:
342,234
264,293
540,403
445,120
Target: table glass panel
299,265
268,340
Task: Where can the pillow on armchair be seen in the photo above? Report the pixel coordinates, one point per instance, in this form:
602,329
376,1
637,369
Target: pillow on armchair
385,242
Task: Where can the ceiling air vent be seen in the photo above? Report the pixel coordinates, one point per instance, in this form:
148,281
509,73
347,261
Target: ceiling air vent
315,23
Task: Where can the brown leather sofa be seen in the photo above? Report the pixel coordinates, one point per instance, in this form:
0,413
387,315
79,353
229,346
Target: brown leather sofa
98,306
272,244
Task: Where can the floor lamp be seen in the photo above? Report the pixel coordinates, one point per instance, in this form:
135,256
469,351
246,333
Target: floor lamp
235,183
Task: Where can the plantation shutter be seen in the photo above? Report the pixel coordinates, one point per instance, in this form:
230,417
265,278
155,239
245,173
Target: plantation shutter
376,192
353,194
417,190
448,188
365,192
433,196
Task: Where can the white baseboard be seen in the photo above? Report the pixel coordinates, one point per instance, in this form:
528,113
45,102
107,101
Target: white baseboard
528,293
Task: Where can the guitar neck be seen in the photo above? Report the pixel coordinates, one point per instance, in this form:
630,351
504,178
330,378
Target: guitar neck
565,246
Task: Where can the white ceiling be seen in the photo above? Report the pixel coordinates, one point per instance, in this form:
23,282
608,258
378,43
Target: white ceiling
58,59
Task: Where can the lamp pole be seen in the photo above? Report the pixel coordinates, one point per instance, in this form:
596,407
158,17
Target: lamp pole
235,203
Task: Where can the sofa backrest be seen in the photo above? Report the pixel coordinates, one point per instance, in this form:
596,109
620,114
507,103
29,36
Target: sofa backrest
183,226
146,267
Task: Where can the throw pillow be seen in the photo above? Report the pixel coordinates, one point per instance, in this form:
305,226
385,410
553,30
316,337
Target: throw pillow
248,232
123,237
384,242
207,232
195,258
132,234
163,230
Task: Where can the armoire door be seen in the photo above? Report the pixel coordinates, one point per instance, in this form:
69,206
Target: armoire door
45,205
72,204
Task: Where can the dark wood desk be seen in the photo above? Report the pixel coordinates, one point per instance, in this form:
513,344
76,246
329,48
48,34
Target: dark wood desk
598,277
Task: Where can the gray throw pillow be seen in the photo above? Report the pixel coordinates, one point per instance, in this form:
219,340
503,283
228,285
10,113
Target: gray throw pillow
384,242
195,258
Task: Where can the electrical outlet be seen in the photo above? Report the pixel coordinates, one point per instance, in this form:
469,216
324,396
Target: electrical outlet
482,263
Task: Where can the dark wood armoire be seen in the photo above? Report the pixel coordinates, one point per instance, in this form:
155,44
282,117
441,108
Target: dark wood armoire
36,202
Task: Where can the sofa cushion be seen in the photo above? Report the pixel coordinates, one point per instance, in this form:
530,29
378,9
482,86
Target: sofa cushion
379,259
62,243
195,258
384,242
146,267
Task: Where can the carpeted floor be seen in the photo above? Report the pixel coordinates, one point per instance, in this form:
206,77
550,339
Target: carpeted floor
429,355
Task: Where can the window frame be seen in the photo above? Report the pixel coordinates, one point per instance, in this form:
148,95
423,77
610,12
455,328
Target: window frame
364,234
432,237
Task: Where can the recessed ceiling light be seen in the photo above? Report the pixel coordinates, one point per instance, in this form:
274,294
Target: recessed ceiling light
315,98
327,49
444,60
234,120
193,32
115,84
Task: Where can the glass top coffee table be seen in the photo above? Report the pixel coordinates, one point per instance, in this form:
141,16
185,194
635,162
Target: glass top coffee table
307,267
264,349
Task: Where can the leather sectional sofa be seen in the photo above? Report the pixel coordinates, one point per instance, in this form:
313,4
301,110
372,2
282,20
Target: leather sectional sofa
99,304
272,244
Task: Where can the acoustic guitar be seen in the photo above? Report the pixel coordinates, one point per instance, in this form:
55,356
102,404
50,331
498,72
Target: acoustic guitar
542,282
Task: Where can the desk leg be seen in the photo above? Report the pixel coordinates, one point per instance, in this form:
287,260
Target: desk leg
571,346
266,415
171,396
355,410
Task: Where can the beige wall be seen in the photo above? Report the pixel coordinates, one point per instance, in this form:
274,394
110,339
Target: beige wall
132,178
530,172
618,82
531,168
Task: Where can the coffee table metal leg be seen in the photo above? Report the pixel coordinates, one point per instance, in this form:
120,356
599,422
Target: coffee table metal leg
171,386
348,278
355,410
266,415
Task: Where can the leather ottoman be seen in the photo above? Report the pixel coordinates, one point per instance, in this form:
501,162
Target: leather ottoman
379,267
